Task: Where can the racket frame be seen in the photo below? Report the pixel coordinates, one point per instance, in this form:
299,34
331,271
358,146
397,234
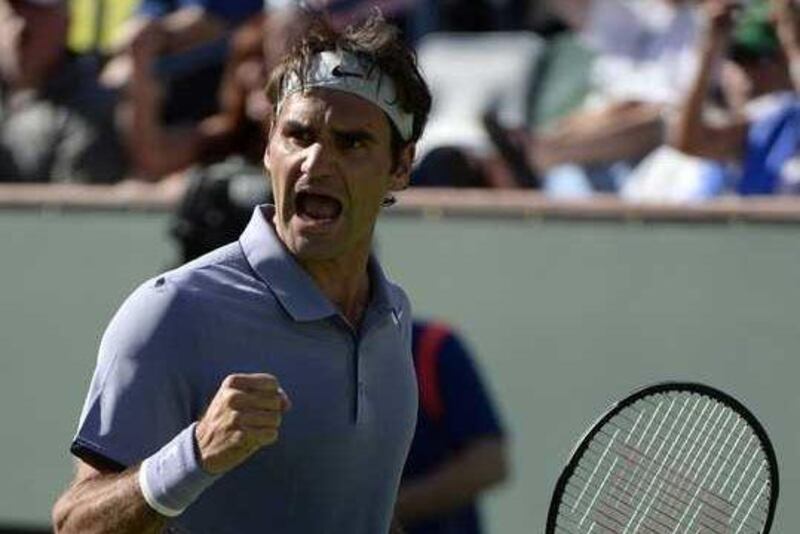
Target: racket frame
664,387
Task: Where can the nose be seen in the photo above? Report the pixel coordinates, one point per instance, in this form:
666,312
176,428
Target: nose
318,160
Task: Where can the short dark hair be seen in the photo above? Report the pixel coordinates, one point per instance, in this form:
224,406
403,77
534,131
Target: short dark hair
375,40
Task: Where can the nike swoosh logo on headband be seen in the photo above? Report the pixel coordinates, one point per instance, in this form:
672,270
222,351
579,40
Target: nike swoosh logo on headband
339,73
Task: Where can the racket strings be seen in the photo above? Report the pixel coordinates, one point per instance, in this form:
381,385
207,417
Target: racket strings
608,520
690,439
724,461
755,454
673,498
666,511
662,470
716,443
619,510
669,507
671,463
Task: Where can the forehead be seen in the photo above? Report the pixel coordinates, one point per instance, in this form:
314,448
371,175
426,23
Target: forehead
335,109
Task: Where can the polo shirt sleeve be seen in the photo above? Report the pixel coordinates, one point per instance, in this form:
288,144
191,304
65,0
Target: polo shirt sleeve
469,412
139,397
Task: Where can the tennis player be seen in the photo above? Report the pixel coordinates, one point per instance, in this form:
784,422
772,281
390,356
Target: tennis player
268,386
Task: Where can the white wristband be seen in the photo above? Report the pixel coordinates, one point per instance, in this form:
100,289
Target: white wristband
172,478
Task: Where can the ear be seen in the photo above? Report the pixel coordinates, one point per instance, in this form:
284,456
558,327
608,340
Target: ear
402,172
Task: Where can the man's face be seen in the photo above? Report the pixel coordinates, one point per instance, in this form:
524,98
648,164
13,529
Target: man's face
329,156
32,40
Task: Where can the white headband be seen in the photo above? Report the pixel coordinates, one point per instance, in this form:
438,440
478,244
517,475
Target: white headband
343,71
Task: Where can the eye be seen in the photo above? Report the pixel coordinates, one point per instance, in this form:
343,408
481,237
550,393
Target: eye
351,141
354,141
299,135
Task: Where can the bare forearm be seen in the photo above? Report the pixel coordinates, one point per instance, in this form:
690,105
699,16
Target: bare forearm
454,484
99,501
692,132
787,20
794,66
621,133
106,504
791,45
156,149
689,133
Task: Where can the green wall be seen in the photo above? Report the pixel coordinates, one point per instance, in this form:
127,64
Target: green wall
566,317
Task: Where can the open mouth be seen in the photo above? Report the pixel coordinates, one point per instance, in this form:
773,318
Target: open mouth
317,207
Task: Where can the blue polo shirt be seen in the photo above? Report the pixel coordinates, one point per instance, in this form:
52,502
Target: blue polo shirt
249,307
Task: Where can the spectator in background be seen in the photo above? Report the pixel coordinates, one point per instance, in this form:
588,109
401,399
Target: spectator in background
765,145
459,448
645,54
415,17
56,122
190,42
158,148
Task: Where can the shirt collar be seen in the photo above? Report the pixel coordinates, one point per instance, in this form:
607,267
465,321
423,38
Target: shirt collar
383,297
290,283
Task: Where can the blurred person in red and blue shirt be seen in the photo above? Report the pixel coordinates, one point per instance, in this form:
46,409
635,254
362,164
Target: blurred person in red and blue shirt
459,448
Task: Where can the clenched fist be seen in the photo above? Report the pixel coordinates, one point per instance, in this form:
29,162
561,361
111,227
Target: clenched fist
244,415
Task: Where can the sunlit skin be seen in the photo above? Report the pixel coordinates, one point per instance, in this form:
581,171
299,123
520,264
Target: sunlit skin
335,144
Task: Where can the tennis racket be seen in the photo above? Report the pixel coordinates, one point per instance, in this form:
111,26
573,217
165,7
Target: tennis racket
672,458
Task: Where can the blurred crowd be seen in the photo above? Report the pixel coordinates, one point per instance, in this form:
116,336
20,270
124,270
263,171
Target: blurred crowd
676,100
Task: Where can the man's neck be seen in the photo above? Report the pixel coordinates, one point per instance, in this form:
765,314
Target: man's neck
345,281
